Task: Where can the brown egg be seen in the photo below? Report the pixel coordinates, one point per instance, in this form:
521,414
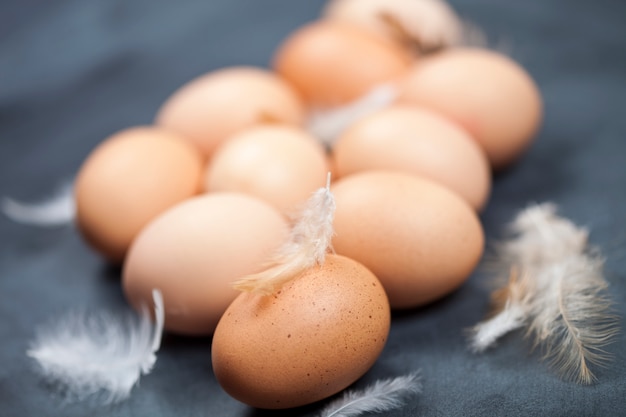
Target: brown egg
421,240
418,141
128,180
214,106
317,335
332,63
485,92
280,164
431,23
194,252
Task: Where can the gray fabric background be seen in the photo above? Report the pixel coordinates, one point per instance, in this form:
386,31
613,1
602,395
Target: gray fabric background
74,71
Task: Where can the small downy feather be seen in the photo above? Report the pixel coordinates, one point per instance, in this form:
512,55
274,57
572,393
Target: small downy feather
57,210
307,245
383,395
328,124
559,298
88,355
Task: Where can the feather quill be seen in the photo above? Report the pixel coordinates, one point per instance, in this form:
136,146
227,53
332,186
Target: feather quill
307,245
559,297
328,124
58,210
383,395
89,355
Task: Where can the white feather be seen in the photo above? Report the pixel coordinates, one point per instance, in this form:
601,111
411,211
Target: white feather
58,210
92,354
328,124
307,245
384,395
560,298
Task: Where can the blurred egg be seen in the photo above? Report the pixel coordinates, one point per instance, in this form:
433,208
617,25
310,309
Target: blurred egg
421,240
216,105
128,180
195,251
487,93
428,23
316,336
416,140
332,63
282,165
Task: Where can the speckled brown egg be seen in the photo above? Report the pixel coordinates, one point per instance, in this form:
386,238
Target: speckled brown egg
419,238
313,338
128,180
194,252
417,141
210,108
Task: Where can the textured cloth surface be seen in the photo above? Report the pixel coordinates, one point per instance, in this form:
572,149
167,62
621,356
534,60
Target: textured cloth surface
74,71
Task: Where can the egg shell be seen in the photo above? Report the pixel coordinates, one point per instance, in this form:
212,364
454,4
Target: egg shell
418,141
332,63
313,338
280,164
128,180
210,108
430,22
486,92
421,240
194,252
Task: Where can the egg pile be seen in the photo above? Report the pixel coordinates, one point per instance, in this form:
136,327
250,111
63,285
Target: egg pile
205,195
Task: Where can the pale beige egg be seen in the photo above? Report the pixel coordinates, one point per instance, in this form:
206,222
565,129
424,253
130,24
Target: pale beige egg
194,252
210,108
418,141
280,164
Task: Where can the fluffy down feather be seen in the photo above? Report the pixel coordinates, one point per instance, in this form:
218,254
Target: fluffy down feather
559,297
92,354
